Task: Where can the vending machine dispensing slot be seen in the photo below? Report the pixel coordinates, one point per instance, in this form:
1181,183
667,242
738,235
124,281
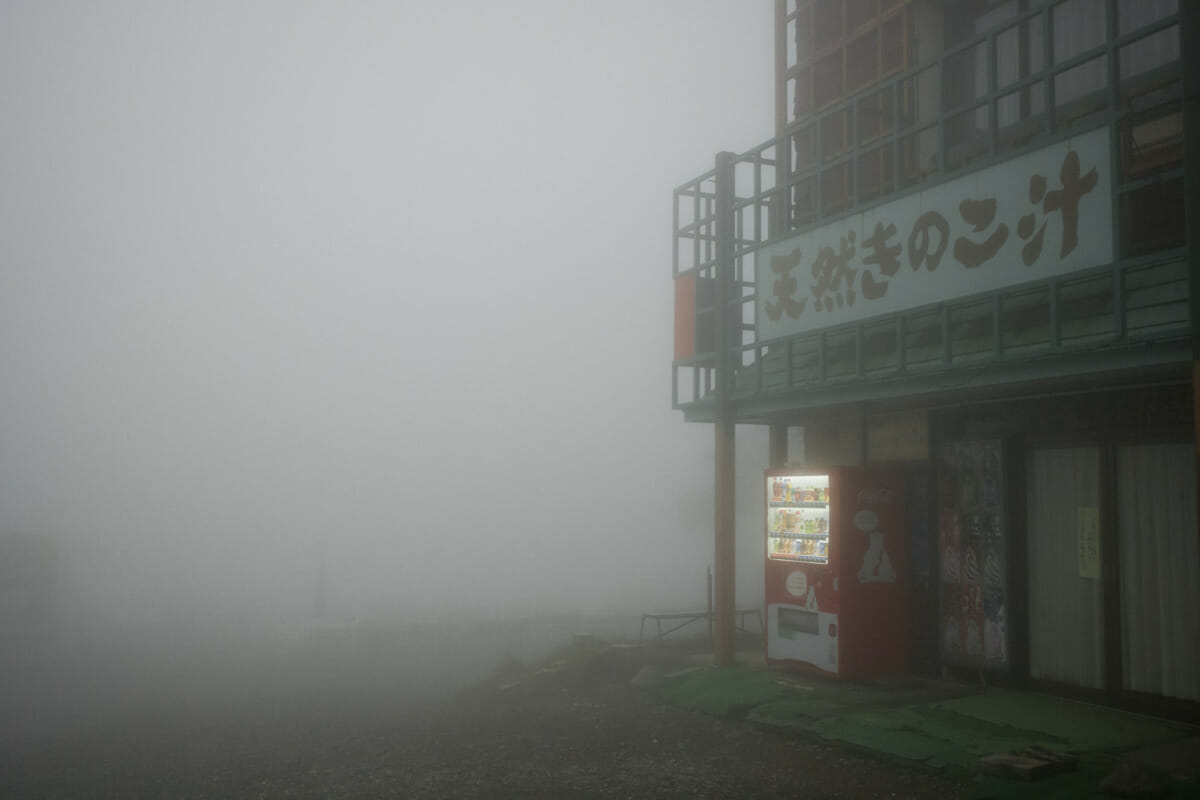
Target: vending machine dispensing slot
794,621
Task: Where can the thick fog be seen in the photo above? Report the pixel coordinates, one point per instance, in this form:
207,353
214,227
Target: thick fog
361,309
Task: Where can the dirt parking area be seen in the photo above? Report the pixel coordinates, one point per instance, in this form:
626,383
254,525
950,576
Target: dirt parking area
570,727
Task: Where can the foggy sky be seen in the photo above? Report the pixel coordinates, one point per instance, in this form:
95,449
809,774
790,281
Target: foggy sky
380,285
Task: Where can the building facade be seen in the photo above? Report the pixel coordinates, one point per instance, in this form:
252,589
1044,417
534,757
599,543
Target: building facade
970,253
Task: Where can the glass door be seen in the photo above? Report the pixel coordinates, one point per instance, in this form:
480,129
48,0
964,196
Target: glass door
1066,609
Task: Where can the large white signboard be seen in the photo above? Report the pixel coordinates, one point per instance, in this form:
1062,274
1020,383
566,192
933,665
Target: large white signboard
1043,214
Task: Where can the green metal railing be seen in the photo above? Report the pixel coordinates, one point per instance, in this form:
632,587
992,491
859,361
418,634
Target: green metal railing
1141,297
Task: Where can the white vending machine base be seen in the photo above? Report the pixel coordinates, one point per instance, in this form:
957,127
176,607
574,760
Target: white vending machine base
795,633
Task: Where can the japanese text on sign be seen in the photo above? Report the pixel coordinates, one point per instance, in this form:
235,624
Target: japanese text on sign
1029,218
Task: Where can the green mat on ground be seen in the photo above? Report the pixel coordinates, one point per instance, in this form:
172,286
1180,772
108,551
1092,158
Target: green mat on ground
724,691
862,731
950,732
797,712
924,733
1080,726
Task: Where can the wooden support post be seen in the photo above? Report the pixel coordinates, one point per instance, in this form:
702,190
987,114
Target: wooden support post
724,589
724,641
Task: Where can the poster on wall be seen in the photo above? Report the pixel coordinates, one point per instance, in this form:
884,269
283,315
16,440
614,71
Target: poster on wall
972,542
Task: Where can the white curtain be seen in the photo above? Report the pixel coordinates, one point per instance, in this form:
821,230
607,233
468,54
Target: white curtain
1160,569
1066,616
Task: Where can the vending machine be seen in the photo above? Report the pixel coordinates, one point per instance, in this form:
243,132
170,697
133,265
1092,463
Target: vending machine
836,576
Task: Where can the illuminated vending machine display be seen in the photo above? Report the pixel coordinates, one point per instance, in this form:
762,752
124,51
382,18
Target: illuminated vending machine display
836,583
798,518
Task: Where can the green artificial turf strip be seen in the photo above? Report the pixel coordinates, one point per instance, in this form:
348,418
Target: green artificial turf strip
864,731
1080,726
723,691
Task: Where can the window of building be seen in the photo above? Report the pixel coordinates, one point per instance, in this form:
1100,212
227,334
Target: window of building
875,115
827,21
1152,218
835,189
1079,26
1151,144
860,13
1020,116
1135,14
802,101
964,76
804,202
862,60
835,134
804,147
827,79
1020,51
893,45
875,174
1081,94
1150,69
837,48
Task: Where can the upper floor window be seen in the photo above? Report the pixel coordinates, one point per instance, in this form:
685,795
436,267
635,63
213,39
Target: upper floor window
837,47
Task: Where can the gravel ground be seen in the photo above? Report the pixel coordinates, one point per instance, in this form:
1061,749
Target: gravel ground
574,729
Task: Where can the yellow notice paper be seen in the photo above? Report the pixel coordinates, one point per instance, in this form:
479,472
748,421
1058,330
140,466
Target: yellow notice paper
1089,541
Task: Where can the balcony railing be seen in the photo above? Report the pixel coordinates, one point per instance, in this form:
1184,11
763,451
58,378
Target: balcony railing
1130,83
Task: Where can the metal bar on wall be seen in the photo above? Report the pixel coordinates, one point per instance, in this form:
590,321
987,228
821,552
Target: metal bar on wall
1110,571
781,66
993,104
787,374
1054,335
1047,63
821,366
946,350
1114,166
1189,49
894,144
675,238
858,350
997,332
854,153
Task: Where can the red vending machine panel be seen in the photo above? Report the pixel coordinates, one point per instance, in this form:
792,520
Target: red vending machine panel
836,578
